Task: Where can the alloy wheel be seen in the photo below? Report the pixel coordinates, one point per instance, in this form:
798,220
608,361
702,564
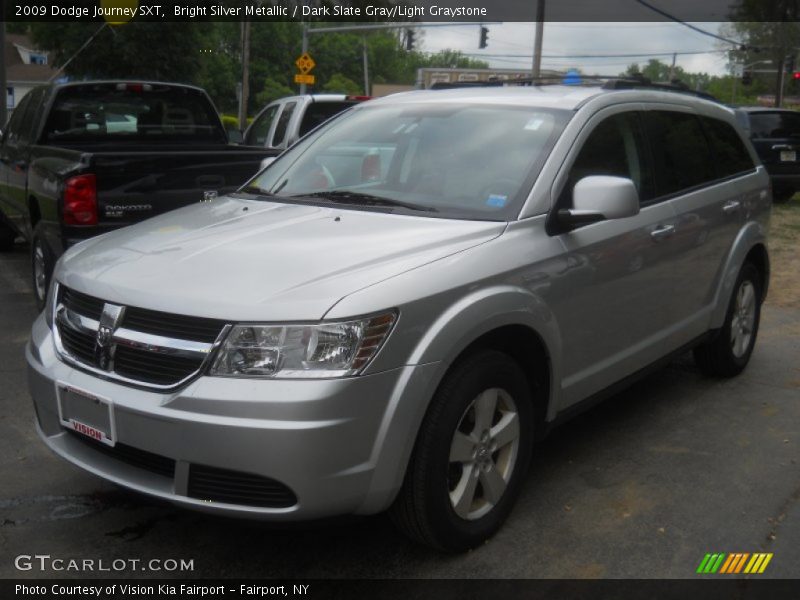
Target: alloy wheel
483,453
744,316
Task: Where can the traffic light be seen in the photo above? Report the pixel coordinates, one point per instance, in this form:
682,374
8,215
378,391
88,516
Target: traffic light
747,78
484,41
409,39
796,75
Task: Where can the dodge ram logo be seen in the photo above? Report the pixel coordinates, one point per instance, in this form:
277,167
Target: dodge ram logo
209,195
104,346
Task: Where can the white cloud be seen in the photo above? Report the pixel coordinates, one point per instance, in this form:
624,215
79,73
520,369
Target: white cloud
511,45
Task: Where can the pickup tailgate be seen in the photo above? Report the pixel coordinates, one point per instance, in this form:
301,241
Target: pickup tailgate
132,186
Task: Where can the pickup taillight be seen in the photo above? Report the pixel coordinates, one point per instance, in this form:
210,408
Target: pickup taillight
80,200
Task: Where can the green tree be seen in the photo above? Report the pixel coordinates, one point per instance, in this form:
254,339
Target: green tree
658,71
141,50
769,33
220,64
339,84
272,90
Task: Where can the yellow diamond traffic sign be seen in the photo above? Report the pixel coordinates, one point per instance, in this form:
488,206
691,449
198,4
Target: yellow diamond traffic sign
305,63
304,78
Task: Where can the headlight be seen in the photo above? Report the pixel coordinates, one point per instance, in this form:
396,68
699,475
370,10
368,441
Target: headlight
332,349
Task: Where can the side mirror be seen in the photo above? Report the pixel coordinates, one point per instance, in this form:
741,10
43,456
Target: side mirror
267,162
235,136
601,197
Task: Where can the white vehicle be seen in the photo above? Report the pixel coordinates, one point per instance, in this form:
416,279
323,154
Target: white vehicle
282,122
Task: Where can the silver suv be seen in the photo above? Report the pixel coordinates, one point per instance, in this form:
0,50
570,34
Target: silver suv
389,315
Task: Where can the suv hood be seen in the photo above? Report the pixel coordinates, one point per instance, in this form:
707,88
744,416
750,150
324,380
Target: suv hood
241,259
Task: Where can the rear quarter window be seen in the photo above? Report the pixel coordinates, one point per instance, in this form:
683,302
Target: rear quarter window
774,124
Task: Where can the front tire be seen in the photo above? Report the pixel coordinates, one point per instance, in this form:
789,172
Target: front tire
42,264
729,352
471,455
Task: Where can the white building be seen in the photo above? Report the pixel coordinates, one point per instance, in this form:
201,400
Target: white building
26,68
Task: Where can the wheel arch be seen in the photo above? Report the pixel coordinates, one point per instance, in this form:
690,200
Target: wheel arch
506,318
750,244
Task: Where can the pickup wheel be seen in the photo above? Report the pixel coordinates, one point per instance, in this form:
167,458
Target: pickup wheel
729,352
42,263
7,237
471,455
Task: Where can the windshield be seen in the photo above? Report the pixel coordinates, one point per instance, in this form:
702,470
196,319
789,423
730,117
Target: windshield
774,124
452,160
145,112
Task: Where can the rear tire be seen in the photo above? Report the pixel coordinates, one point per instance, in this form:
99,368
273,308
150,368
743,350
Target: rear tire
42,264
729,352
471,455
7,237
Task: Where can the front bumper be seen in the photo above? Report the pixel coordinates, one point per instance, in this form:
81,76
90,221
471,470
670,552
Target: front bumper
340,445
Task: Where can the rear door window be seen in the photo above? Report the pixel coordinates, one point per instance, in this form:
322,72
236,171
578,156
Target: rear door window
681,152
730,154
319,112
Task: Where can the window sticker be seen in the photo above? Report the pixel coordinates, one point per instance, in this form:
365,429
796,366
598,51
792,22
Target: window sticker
496,200
533,124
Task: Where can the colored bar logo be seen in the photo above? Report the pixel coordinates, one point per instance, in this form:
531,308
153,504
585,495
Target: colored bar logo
737,562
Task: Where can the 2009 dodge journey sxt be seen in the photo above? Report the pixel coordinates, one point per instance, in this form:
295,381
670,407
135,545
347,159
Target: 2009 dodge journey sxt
388,315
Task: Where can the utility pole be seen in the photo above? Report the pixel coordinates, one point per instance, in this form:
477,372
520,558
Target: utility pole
781,79
245,75
672,67
537,40
304,50
3,109
366,65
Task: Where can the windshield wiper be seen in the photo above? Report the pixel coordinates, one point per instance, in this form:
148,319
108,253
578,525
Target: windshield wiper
254,189
358,198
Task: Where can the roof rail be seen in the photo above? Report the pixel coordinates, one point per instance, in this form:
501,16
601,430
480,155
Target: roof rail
632,82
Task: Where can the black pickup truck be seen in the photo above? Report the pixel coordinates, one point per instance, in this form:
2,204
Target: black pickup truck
80,159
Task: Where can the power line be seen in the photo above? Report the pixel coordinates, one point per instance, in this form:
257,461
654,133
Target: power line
638,55
689,25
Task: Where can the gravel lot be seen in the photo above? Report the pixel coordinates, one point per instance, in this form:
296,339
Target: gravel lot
641,486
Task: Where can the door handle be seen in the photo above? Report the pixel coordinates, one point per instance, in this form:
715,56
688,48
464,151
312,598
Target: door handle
732,206
662,232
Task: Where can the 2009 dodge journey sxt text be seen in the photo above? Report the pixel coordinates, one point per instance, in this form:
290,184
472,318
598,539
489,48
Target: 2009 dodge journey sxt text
393,311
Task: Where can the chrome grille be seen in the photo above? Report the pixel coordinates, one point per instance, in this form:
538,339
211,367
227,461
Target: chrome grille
82,304
169,325
133,345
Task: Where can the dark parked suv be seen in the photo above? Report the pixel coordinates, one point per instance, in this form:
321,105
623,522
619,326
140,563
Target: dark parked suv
775,134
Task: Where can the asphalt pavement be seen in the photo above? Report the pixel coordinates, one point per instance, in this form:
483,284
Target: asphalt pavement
643,486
